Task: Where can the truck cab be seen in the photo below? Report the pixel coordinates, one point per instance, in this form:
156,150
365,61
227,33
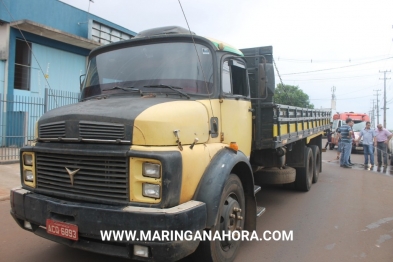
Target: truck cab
160,140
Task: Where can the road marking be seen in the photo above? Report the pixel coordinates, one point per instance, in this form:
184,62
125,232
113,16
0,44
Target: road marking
379,222
382,239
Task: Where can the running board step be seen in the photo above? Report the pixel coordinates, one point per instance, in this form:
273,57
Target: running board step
256,189
260,211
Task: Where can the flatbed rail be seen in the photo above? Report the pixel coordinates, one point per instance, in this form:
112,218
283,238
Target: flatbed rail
283,124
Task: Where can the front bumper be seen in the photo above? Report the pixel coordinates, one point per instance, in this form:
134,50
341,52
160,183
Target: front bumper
358,147
93,218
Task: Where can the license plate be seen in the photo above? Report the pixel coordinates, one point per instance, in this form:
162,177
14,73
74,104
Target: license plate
359,148
62,229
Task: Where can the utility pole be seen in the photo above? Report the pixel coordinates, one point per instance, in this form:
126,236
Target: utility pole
372,113
377,105
384,96
333,102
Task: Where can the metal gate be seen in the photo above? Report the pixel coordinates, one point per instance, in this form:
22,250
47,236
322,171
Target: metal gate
18,116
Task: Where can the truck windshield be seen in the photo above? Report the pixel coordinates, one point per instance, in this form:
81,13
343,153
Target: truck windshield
132,68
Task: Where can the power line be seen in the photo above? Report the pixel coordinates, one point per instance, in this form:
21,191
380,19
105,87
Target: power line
313,61
368,87
333,68
283,86
340,98
318,79
358,90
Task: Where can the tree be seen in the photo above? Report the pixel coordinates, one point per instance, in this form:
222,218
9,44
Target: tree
291,95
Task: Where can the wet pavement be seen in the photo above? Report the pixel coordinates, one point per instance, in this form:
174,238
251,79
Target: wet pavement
358,162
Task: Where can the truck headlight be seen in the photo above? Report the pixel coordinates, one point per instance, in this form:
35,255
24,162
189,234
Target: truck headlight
28,169
28,159
151,170
29,177
151,190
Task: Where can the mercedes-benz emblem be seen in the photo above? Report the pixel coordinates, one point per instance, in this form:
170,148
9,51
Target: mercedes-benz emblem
72,173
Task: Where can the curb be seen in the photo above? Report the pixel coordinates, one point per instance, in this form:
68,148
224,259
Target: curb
3,198
7,162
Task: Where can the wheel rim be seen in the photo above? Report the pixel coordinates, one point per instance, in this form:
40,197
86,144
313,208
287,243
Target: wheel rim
230,220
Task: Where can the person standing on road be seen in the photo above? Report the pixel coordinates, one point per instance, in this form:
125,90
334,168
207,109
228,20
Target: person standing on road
369,141
383,136
338,144
329,136
345,132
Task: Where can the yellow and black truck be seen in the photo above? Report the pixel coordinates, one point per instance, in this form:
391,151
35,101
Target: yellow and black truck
172,133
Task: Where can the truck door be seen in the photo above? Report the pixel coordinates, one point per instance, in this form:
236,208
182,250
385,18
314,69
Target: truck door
236,114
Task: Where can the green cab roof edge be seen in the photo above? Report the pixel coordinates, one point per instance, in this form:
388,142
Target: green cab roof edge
227,47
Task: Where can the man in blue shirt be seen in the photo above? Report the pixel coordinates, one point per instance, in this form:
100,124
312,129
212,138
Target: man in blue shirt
346,132
369,141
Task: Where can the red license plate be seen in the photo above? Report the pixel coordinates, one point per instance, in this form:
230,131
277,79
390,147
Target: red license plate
62,229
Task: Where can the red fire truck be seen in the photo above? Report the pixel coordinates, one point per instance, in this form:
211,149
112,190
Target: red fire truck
359,120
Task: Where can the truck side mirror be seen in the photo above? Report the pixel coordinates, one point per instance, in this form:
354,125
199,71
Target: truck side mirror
266,81
82,80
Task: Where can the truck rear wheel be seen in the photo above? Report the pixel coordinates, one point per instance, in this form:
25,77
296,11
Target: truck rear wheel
304,175
317,162
230,219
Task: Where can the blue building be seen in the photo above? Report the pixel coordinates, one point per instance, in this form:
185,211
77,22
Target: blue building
44,44
60,37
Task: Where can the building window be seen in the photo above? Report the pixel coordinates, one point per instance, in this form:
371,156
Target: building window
106,35
22,65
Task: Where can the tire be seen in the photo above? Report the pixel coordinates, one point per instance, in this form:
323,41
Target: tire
274,175
317,162
304,174
331,146
232,197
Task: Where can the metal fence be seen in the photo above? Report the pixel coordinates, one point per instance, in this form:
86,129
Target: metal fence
19,114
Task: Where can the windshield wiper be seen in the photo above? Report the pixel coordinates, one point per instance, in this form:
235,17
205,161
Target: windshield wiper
174,88
124,88
112,88
96,97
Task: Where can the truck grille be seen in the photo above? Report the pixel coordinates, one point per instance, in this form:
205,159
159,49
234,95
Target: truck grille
99,130
99,177
52,130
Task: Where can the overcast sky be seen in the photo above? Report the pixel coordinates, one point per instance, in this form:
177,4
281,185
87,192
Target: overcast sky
349,42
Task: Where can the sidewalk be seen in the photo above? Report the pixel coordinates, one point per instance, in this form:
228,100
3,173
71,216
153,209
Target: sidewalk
9,178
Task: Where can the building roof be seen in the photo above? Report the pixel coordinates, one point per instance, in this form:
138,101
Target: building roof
53,33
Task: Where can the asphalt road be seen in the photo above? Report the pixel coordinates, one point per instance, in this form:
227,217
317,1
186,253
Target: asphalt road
346,216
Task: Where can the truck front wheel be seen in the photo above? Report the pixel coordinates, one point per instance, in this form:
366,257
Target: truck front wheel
230,220
304,175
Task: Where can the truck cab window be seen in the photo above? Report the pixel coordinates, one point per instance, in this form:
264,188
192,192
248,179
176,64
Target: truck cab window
226,78
234,80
